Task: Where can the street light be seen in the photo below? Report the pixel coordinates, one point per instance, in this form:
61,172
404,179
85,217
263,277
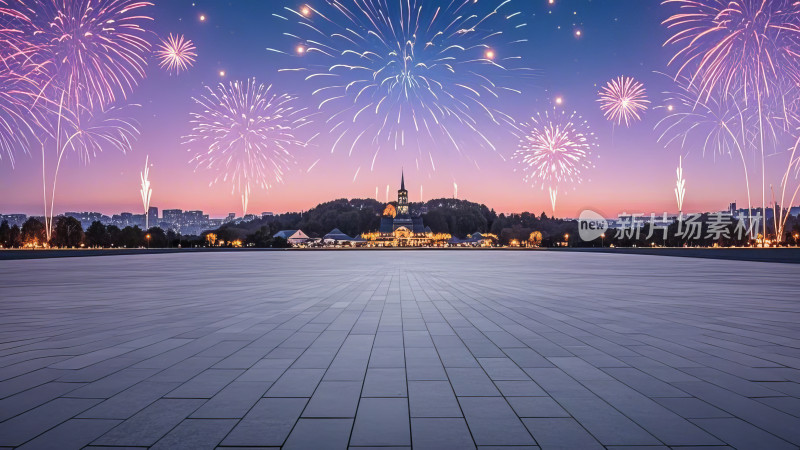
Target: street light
147,237
796,236
566,239
602,240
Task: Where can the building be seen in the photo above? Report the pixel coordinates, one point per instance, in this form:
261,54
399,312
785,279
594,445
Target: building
336,237
399,228
152,217
172,216
294,237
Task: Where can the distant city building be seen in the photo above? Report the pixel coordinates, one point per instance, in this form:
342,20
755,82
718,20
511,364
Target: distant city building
14,219
172,216
152,216
266,214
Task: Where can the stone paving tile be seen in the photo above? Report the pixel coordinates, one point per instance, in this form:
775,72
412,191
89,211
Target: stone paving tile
560,433
381,422
31,424
232,402
319,434
508,350
130,401
148,426
536,407
74,433
267,424
334,399
432,399
440,434
196,434
493,422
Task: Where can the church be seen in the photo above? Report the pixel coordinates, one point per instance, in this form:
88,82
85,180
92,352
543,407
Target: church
399,228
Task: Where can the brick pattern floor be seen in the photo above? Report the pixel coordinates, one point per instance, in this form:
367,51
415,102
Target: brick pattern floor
398,349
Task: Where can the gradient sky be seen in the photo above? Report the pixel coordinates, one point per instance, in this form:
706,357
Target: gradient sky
633,173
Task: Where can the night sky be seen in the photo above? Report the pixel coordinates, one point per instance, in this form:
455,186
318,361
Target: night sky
633,172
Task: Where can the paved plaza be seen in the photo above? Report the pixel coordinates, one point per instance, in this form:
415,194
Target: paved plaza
399,349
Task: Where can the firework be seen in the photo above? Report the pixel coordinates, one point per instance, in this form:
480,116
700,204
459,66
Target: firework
680,186
97,49
623,99
176,53
409,75
146,191
17,119
556,150
746,44
243,132
18,87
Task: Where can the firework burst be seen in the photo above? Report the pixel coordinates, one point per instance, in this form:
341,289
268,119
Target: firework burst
555,151
96,49
623,99
176,53
409,75
243,132
747,44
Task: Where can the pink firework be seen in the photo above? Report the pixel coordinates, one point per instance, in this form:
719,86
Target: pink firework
176,53
623,99
555,151
244,132
731,44
96,50
18,87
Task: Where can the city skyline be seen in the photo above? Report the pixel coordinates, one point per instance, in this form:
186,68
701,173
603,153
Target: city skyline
575,48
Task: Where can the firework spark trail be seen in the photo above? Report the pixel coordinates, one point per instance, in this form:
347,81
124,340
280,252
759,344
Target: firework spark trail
680,187
746,46
623,99
176,53
406,75
556,150
243,132
146,191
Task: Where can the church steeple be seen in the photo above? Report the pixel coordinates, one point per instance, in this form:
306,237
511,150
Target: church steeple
402,196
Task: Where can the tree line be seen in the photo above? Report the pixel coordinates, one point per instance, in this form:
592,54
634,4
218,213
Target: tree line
69,233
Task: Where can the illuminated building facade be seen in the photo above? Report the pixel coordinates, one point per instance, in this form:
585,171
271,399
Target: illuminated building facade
399,228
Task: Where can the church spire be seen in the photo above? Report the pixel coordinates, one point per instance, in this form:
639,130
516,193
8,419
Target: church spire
402,180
